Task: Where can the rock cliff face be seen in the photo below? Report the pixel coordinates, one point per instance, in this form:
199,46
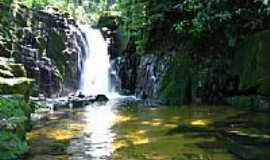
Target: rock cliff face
52,53
183,76
49,44
151,71
141,75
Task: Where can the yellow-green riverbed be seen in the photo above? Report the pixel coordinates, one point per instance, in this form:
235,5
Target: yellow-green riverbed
137,132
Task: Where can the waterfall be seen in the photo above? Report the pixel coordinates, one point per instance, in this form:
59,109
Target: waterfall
95,77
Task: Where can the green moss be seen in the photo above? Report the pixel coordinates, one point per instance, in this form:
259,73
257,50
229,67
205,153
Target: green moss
252,63
241,101
20,85
13,81
13,78
176,86
55,50
18,70
5,73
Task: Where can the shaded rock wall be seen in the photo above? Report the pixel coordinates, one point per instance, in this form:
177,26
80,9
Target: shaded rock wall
150,74
184,76
252,64
48,43
52,52
13,78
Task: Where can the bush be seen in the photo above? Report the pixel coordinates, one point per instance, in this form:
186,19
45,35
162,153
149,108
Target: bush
14,122
11,146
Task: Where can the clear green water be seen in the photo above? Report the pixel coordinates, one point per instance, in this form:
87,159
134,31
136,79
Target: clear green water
130,133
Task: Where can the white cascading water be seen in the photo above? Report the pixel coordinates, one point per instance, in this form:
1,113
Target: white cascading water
95,77
96,139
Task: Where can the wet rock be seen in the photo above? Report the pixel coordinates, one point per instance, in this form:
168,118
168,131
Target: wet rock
51,50
14,80
126,73
150,74
141,75
251,63
257,103
81,102
101,98
241,101
68,102
262,103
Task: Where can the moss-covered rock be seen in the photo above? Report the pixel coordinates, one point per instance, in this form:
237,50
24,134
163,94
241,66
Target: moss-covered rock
108,21
56,46
9,68
252,63
242,101
13,78
21,85
176,86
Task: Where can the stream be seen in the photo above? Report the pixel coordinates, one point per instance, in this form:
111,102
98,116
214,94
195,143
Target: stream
76,134
122,132
127,129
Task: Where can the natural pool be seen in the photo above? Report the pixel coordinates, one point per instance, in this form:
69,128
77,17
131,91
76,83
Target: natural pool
137,132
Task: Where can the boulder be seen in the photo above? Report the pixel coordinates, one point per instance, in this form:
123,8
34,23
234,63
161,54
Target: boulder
13,78
101,98
21,85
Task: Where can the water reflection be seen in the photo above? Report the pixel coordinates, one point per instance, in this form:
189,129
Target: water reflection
95,141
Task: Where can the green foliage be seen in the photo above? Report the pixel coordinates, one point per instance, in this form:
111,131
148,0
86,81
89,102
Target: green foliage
11,146
20,85
35,3
14,113
232,19
13,108
193,19
134,19
82,10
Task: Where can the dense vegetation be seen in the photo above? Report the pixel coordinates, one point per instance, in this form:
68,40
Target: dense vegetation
223,22
14,123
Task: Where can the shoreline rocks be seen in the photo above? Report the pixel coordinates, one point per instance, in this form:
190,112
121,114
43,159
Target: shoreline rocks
68,102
